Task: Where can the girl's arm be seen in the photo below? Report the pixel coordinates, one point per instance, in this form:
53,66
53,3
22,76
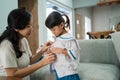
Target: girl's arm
48,58
72,49
59,50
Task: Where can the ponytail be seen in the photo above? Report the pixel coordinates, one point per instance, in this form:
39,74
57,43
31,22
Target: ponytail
5,34
67,22
13,37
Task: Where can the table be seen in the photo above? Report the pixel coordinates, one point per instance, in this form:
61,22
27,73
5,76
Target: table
100,34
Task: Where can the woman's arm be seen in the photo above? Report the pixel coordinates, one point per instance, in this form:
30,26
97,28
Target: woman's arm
48,58
40,51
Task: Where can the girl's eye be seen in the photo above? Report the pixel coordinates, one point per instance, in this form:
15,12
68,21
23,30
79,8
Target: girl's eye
53,29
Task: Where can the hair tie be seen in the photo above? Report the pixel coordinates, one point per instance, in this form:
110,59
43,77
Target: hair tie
9,28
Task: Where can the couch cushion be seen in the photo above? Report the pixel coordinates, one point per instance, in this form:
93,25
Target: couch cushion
98,51
116,41
97,71
87,71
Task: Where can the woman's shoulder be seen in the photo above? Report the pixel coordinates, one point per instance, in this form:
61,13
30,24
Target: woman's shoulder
6,45
24,41
6,42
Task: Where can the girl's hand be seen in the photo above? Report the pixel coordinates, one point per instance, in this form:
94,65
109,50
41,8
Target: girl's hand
48,58
56,50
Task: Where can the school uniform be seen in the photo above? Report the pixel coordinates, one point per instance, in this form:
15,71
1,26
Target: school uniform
66,66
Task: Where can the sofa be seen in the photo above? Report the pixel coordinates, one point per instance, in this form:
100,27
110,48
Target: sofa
99,60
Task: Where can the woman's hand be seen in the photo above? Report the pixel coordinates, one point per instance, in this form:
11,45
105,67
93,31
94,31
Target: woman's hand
48,58
44,47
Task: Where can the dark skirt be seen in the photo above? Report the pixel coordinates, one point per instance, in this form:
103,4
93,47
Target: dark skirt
69,77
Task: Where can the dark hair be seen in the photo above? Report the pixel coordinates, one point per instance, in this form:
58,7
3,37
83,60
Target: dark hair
55,18
17,19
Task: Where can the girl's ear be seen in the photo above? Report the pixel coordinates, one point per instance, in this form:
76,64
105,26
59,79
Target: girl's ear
62,24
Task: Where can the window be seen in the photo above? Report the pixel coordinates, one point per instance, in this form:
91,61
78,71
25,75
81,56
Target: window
87,27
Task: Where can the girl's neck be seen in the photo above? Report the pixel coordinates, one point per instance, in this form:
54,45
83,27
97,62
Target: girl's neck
63,32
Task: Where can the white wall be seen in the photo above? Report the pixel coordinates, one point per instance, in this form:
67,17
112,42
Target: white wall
84,3
67,3
103,17
5,7
84,12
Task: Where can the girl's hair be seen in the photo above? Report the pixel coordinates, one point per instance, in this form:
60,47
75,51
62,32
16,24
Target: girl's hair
17,19
55,18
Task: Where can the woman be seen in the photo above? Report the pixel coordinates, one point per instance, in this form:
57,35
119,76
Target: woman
15,55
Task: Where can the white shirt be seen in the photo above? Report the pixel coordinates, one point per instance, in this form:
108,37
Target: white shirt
66,65
8,58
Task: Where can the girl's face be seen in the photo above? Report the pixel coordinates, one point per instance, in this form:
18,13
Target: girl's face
58,30
27,30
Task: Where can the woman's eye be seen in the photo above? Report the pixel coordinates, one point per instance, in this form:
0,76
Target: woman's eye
28,26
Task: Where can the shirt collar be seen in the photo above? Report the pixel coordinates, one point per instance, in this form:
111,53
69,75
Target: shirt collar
66,36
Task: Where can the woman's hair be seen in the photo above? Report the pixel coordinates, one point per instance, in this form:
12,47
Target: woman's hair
17,19
55,18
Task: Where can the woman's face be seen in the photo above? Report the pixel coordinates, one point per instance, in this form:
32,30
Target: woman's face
27,30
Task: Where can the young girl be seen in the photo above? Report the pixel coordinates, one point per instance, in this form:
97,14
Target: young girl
64,46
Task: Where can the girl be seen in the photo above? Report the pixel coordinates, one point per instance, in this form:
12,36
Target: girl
64,46
15,54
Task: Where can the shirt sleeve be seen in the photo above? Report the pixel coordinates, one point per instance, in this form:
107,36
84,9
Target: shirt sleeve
26,46
73,49
7,56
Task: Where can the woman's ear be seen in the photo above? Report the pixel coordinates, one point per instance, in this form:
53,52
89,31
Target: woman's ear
16,30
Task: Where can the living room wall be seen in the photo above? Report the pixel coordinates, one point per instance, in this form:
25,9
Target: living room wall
102,17
5,7
105,17
84,3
